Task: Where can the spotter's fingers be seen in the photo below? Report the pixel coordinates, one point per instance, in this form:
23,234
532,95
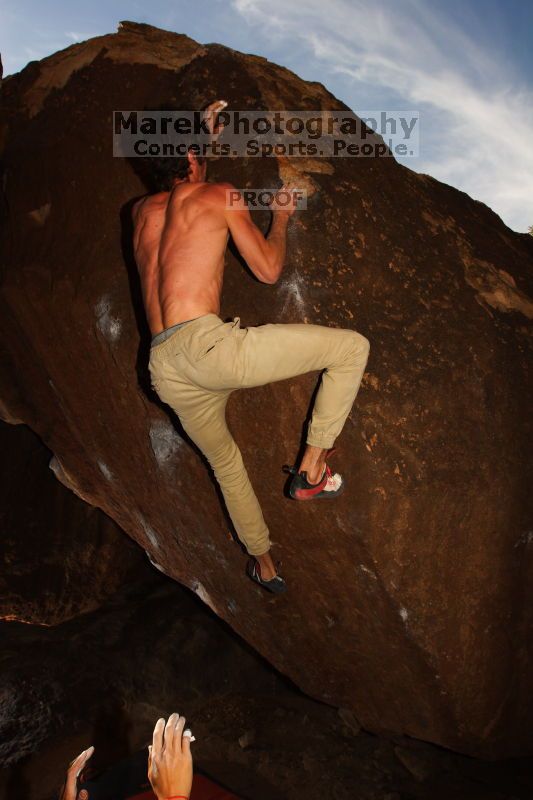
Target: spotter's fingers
86,756
157,739
170,728
186,740
79,762
79,758
180,725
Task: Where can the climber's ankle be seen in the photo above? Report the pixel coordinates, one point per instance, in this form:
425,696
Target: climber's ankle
313,463
268,570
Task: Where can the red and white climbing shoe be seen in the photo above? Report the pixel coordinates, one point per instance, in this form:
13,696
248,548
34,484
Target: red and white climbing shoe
330,485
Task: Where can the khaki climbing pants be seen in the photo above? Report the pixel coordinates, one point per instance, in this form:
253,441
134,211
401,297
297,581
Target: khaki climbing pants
199,365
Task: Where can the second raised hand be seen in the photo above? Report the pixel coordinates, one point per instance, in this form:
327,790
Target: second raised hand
210,116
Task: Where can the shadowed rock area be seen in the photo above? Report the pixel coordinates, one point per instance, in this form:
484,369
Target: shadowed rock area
410,598
60,557
104,676
255,733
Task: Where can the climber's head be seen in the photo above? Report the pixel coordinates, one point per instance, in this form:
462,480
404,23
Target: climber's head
167,171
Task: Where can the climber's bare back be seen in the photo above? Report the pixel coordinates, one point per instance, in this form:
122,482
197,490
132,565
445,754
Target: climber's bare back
179,242
180,238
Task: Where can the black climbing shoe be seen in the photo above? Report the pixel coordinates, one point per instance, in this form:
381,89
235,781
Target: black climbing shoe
276,585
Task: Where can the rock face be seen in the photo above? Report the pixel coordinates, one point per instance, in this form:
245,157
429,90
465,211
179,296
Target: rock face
410,599
60,557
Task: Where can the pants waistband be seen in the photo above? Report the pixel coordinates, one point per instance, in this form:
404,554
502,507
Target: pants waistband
164,335
189,329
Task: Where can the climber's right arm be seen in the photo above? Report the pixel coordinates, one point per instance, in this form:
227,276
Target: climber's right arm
264,255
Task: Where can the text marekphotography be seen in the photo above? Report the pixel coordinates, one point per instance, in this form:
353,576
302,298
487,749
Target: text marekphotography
310,134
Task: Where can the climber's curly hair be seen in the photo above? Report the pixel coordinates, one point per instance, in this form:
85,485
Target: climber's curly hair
159,172
165,169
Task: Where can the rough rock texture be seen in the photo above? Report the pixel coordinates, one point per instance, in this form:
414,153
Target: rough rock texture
410,598
60,557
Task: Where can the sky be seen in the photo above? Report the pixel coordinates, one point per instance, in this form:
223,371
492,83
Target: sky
465,65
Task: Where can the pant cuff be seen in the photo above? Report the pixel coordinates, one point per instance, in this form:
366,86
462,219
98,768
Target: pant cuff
261,550
326,442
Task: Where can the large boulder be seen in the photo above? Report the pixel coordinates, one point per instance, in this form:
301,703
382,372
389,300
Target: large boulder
410,598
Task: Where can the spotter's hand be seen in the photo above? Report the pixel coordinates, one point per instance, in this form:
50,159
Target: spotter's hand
170,758
70,787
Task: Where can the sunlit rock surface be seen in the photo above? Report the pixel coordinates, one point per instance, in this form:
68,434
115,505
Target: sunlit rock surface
410,598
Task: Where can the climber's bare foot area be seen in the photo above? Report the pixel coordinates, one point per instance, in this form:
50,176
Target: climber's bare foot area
266,566
315,474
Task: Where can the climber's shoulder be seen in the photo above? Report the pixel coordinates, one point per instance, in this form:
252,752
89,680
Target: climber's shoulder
145,203
222,186
227,197
219,192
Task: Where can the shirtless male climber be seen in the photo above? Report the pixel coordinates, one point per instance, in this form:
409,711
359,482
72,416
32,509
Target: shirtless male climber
197,360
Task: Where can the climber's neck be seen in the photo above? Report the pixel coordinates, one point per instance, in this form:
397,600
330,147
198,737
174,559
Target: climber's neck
197,173
188,180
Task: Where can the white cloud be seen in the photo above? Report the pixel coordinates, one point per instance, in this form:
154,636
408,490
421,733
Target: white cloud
77,37
476,118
